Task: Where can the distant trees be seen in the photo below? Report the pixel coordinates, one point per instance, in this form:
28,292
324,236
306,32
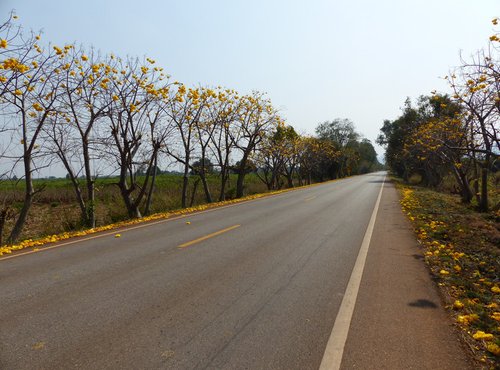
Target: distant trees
455,134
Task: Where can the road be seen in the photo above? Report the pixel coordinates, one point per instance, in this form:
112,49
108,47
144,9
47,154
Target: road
255,285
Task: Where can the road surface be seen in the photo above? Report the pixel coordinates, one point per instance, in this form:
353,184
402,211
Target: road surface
255,285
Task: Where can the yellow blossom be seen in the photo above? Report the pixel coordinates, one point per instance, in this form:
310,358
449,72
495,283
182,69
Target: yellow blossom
467,319
493,348
458,305
37,107
481,335
3,43
85,58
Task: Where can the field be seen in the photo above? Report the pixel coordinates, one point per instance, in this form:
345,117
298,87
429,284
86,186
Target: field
55,209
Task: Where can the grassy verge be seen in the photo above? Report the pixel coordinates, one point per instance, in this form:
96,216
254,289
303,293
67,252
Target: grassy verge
462,249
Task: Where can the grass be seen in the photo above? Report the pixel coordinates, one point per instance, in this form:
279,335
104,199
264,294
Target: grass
462,249
55,209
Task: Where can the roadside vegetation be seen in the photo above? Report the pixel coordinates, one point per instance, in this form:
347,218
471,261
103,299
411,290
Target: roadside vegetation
444,152
113,123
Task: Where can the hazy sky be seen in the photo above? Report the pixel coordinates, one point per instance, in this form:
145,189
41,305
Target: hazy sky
317,59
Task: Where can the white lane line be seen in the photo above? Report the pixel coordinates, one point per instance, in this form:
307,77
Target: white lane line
332,357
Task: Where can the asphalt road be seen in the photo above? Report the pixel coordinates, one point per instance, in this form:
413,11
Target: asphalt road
255,285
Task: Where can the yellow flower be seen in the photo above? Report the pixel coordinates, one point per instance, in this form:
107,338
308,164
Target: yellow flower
85,58
3,78
3,43
467,319
481,335
117,235
37,107
457,268
444,272
18,92
495,316
115,98
493,348
458,305
495,289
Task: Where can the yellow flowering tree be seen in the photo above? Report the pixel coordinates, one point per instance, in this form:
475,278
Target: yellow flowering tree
476,87
137,93
256,117
29,85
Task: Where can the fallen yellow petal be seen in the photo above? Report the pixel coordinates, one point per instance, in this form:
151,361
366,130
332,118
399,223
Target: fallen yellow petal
478,335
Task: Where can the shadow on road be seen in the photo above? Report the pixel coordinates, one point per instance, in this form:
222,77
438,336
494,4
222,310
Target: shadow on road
423,303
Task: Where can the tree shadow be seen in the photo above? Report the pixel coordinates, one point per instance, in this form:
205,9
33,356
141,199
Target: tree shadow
423,303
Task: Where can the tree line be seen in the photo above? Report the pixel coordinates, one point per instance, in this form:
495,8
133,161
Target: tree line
77,108
455,133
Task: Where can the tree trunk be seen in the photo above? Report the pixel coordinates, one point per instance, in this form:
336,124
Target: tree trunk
28,200
185,183
223,182
149,198
483,205
90,207
465,190
195,186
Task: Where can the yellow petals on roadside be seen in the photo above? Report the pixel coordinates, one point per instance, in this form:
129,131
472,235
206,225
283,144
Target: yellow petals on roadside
481,335
467,319
39,345
188,222
457,305
493,348
118,235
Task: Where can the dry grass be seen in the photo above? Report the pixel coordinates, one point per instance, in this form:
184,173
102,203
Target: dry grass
462,249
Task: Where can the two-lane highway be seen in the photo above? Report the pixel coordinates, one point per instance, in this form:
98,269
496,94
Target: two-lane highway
255,285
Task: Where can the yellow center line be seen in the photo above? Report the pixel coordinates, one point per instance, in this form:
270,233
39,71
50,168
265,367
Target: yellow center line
187,244
309,198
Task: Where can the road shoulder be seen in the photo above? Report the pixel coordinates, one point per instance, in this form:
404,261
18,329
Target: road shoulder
399,321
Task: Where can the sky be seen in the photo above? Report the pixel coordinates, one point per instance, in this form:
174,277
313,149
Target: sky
317,60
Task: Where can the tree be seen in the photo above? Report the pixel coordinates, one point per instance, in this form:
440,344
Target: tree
256,116
341,133
184,109
137,104
30,80
476,87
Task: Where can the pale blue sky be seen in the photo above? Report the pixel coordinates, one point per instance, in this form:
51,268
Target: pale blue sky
316,59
